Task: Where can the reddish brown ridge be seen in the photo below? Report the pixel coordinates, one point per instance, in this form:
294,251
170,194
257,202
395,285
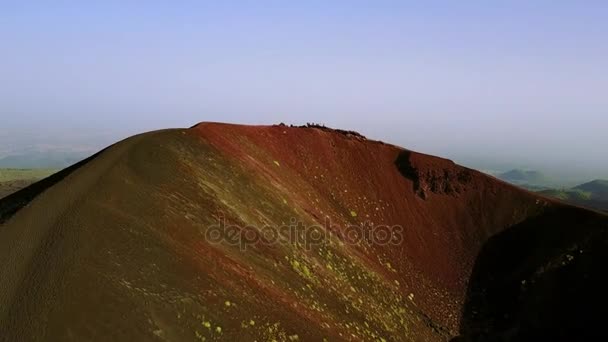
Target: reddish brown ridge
444,229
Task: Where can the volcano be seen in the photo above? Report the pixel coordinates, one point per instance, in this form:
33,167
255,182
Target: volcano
280,233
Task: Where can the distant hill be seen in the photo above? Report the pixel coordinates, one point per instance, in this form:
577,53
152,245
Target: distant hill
593,194
519,175
526,178
597,188
567,194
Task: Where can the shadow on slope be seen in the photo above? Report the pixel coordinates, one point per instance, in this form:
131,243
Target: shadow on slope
12,203
543,279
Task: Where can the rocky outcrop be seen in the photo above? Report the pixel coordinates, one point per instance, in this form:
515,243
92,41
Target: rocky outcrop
443,177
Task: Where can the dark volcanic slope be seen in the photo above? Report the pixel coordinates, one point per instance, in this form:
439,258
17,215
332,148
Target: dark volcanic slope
118,248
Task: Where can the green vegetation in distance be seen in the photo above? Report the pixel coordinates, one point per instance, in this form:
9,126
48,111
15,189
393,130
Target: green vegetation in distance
567,194
593,194
598,188
7,175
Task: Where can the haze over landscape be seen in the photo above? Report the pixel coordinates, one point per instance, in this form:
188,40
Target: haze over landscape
494,86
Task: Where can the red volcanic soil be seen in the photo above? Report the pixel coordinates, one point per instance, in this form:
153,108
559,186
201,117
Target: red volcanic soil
123,245
447,211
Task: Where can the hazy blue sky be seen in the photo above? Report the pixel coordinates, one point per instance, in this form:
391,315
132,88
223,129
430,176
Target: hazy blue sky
520,82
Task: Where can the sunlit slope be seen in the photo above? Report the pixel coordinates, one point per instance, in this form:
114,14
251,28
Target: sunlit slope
120,247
